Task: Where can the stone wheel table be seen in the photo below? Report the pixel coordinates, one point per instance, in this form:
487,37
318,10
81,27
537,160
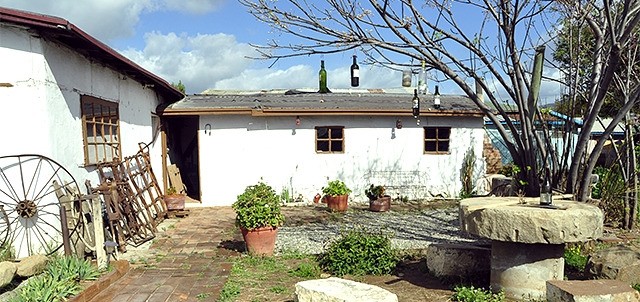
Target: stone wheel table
527,239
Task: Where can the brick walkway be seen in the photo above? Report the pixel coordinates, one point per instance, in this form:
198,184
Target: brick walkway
189,261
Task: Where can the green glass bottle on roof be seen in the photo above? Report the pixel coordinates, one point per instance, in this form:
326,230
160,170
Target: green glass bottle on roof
323,78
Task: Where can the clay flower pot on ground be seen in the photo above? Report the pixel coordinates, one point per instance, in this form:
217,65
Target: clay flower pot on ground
378,202
174,200
258,215
336,195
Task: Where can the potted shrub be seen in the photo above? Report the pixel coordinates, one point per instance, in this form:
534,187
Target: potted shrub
378,201
336,194
174,200
258,215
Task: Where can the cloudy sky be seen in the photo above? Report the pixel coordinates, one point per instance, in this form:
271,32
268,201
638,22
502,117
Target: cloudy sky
206,44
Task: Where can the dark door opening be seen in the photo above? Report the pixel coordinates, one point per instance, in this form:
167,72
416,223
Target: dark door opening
182,145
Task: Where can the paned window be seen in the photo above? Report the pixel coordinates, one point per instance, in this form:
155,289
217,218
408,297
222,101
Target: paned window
330,139
101,130
436,139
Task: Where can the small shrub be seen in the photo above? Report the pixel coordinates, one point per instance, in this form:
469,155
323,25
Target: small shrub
359,252
258,206
636,287
472,294
573,257
336,188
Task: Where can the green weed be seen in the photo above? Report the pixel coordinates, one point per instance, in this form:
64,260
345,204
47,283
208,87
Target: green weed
472,294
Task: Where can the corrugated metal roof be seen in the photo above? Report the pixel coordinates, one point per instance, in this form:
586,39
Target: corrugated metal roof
63,32
303,102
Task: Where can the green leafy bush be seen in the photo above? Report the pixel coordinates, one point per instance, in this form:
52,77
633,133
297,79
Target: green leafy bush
359,252
573,257
472,294
72,268
336,188
45,288
258,206
59,280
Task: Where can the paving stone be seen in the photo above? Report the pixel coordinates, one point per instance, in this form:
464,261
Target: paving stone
590,291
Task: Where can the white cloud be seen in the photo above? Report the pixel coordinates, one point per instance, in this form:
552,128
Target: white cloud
103,19
193,6
109,19
198,61
305,76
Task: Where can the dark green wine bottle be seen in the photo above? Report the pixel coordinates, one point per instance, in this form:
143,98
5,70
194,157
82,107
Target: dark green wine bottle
323,78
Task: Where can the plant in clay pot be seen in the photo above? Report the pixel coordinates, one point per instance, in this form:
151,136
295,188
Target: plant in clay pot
174,200
258,215
337,195
378,201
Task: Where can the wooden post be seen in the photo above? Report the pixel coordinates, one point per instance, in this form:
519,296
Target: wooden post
98,228
66,239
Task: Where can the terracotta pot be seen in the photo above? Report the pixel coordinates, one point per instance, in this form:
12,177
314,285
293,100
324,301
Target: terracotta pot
337,203
260,241
174,201
381,204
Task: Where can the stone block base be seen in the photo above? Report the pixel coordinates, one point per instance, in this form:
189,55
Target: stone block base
340,290
590,291
458,260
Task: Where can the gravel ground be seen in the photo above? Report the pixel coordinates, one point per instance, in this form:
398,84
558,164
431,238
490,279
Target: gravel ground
408,230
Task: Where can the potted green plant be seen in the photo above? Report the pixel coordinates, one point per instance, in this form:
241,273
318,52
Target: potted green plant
337,195
258,215
378,201
174,200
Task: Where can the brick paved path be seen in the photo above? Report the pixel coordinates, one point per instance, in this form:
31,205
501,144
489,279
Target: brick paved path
186,262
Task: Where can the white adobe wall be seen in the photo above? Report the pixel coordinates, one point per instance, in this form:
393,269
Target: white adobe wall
41,111
241,150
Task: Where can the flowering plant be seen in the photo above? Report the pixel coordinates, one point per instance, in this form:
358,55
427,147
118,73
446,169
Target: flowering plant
258,206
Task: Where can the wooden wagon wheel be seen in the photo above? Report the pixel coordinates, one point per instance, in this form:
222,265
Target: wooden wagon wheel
30,204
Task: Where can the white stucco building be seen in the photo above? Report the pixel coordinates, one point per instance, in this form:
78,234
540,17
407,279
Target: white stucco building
296,142
72,99
50,70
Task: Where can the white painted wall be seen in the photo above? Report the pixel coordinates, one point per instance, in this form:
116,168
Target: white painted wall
241,150
40,114
41,111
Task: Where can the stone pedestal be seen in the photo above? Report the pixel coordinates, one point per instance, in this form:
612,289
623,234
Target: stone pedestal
522,269
528,239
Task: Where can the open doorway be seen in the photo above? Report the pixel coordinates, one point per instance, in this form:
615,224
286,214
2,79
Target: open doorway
182,145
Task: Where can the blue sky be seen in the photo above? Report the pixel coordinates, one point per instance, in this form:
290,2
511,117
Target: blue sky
205,44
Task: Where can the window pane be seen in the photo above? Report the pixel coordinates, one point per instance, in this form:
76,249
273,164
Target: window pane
336,146
322,132
443,133
336,132
430,146
443,146
429,133
322,145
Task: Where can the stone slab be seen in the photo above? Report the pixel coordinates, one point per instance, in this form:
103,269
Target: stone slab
340,290
590,291
515,219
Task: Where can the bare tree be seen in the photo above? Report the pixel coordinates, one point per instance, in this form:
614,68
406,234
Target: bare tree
485,42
